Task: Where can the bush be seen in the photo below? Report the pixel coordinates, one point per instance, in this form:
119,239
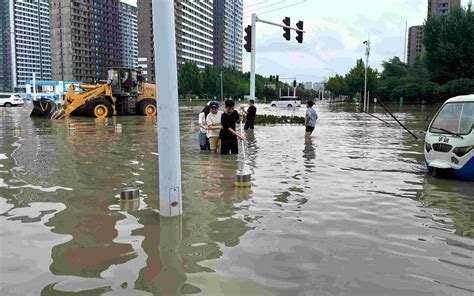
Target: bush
272,119
456,87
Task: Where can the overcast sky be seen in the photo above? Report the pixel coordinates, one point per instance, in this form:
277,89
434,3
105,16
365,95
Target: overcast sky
335,32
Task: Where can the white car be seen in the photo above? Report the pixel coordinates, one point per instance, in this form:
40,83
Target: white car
286,101
9,100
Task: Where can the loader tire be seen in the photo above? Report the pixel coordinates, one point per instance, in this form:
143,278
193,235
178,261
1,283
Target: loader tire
99,108
147,107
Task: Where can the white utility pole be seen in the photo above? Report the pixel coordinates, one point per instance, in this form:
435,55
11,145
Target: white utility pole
34,86
367,52
252,57
222,88
168,114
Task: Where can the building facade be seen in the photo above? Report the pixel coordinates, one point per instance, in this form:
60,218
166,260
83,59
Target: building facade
442,7
84,39
194,34
415,33
6,33
25,45
128,35
228,22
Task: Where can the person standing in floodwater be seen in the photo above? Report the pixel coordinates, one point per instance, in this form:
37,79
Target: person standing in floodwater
228,134
203,140
251,114
310,119
214,126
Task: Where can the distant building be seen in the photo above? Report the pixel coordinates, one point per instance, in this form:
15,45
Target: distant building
228,22
318,85
25,43
84,38
128,35
308,85
442,7
194,33
415,43
415,33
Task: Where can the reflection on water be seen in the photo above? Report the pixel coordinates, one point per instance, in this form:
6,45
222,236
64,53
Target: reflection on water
349,211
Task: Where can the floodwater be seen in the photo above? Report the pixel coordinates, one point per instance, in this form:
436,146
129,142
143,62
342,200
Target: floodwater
350,212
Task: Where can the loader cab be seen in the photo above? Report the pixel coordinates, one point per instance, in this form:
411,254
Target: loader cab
124,81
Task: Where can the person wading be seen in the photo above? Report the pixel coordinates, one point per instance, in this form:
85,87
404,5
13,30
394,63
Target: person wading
310,119
228,134
214,126
251,114
203,140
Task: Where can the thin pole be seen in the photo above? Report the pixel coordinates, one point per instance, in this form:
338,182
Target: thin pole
405,44
34,86
252,57
168,109
222,90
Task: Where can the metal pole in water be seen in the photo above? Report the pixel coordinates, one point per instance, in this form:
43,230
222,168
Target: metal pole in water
168,109
242,179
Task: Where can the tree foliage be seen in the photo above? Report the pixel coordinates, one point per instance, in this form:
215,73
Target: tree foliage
449,43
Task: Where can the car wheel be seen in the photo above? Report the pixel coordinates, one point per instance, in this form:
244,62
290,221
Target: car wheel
290,106
8,105
273,105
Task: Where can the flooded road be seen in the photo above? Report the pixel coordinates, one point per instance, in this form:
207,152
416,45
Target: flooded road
350,212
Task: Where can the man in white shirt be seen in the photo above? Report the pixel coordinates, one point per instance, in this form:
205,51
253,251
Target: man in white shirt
214,126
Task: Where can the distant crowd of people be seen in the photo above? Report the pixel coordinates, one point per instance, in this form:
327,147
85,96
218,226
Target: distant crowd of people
217,129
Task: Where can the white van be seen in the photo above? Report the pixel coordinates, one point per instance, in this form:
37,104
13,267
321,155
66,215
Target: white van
9,100
449,140
286,101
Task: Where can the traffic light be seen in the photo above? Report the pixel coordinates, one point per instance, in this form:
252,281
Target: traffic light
277,78
248,39
286,22
294,83
299,36
271,78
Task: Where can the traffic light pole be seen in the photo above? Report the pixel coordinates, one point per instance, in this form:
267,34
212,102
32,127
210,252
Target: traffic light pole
255,19
252,58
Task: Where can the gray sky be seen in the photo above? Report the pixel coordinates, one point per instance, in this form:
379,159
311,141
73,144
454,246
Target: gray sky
335,32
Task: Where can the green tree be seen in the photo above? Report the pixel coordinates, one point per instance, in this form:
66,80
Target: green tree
449,43
211,82
355,79
337,85
190,79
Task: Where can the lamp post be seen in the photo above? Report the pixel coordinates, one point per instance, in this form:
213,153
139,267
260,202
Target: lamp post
367,52
222,89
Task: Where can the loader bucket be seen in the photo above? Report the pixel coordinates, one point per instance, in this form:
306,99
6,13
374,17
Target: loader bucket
43,108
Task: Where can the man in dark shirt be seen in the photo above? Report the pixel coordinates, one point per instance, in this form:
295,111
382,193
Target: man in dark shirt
251,114
228,134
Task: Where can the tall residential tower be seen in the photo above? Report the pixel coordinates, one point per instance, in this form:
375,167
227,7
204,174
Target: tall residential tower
415,33
25,45
194,34
128,35
228,18
84,38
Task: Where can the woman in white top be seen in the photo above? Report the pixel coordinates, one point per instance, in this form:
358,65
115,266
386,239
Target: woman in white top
203,140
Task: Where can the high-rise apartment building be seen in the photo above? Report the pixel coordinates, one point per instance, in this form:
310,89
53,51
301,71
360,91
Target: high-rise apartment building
194,33
415,33
442,7
128,35
25,45
6,33
84,38
228,18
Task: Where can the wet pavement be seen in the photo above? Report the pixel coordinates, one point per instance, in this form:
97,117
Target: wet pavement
350,212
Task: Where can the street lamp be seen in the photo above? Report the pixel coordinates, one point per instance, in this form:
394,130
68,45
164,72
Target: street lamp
222,89
367,52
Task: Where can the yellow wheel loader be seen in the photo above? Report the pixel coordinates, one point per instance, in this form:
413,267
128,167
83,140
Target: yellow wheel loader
122,94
